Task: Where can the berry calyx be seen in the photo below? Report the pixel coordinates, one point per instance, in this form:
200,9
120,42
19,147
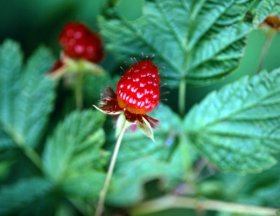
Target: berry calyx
78,41
57,65
273,22
138,90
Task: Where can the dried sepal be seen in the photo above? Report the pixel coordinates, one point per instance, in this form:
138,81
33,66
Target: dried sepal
146,128
153,122
105,111
109,104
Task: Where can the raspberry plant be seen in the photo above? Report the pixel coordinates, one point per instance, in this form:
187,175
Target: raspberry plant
216,157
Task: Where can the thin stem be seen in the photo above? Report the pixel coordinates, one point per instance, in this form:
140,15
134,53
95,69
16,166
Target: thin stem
79,91
182,96
265,49
169,202
104,190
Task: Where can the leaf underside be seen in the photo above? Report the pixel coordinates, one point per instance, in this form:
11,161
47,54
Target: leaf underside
238,127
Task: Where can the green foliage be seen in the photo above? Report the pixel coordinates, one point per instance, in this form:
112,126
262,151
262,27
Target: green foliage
73,155
26,96
238,126
4,168
123,8
95,84
266,8
39,63
140,160
259,189
22,193
199,41
194,41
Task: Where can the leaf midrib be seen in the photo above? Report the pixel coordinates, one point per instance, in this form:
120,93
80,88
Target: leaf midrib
167,21
14,136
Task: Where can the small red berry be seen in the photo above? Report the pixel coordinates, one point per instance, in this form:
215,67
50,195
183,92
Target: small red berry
138,90
78,41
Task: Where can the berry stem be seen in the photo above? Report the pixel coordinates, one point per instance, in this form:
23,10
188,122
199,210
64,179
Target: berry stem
79,91
182,97
266,46
106,185
169,202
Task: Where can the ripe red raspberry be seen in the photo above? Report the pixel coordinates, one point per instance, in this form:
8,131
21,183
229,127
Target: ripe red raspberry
78,41
138,92
138,89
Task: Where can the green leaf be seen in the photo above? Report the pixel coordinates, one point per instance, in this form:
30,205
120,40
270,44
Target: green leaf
93,85
141,160
5,167
39,63
199,41
85,184
265,9
73,154
130,10
26,96
64,210
238,127
22,193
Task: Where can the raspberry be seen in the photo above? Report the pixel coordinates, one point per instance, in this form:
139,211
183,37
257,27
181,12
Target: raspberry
137,94
138,89
78,41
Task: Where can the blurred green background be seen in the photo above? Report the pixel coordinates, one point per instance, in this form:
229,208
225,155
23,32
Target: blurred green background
35,22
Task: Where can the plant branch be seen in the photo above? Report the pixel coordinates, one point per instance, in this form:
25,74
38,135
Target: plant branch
94,69
79,90
182,97
169,202
104,190
265,49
